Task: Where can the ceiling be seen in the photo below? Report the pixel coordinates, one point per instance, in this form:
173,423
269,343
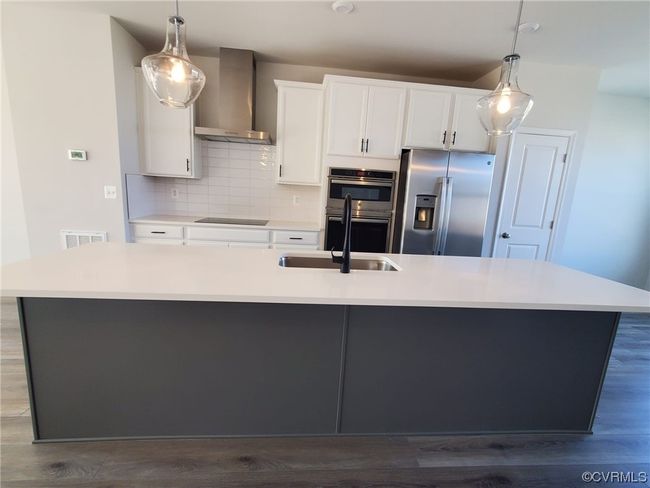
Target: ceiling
456,40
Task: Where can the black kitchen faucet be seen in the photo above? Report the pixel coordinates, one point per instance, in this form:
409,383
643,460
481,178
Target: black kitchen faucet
344,258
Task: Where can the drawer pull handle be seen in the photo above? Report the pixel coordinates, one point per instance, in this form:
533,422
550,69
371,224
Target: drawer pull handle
158,232
296,238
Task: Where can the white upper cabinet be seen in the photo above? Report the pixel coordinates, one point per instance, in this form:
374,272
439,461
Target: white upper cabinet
348,103
467,133
384,122
444,120
299,130
365,120
427,119
166,136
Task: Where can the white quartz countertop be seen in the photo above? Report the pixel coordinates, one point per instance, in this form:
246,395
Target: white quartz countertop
145,271
189,220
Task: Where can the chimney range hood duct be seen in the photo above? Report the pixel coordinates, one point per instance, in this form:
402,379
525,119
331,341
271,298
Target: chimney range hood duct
236,100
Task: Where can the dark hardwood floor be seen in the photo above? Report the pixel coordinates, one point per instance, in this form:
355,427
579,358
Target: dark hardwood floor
621,443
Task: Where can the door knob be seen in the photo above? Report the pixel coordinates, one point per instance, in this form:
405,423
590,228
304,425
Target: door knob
505,235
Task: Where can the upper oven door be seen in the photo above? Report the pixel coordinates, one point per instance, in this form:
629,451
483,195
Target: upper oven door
367,195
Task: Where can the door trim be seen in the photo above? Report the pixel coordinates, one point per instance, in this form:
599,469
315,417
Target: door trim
560,215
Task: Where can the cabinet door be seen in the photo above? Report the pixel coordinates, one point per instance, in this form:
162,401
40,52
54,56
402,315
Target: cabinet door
299,132
166,136
346,120
164,242
255,245
467,132
385,121
427,119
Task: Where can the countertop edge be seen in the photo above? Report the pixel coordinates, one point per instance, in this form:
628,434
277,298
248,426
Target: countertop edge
8,293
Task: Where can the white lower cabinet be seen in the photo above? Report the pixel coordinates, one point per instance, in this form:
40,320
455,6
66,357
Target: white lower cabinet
236,234
255,245
223,237
295,247
295,237
155,231
158,240
190,242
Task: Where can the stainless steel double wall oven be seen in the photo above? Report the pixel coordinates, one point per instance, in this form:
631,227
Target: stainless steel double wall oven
373,197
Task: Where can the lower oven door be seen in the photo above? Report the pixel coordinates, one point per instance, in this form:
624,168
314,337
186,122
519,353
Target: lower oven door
368,234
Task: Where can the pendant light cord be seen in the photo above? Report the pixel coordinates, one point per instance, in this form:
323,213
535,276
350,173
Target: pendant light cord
179,15
514,41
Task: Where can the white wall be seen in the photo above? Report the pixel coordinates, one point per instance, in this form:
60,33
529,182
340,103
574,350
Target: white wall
609,226
61,85
14,243
127,53
563,97
266,93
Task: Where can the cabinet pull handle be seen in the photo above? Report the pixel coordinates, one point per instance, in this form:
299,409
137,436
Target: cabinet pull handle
362,144
296,238
280,170
367,140
158,232
187,165
444,137
453,140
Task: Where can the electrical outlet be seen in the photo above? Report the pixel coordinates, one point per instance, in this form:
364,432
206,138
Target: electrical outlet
296,200
174,193
110,192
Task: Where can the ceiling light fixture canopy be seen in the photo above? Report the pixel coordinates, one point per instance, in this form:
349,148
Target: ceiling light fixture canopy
505,108
342,6
170,74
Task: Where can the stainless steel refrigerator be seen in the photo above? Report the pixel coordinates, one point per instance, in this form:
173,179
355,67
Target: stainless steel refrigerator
442,202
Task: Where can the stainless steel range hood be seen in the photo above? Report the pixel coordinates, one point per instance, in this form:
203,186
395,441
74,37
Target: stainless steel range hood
236,100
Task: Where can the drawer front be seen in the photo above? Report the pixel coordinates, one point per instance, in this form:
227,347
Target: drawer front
256,245
158,231
157,240
295,237
221,234
221,244
296,247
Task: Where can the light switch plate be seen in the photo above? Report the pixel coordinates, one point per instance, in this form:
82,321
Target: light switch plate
174,193
77,155
110,192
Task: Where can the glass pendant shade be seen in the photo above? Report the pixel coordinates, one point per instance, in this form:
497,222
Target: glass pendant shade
170,74
503,110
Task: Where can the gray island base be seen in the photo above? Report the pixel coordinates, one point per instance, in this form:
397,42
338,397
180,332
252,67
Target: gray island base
113,368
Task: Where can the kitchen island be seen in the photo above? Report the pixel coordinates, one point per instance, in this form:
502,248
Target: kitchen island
138,341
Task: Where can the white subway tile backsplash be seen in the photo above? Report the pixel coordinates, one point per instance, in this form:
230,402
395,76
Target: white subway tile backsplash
238,181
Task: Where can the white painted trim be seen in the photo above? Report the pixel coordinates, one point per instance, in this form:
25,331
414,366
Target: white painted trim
559,215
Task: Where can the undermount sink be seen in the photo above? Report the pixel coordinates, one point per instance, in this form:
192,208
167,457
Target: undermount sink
325,262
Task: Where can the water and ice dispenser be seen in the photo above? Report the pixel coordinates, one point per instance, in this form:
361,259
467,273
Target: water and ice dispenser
424,208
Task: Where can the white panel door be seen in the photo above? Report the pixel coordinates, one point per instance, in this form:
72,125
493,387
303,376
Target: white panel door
530,196
299,130
427,119
385,121
166,135
346,119
467,133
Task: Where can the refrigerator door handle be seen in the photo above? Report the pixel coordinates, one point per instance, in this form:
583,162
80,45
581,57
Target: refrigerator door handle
439,212
449,185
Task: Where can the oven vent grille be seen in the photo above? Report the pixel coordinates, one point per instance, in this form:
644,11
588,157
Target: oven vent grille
76,238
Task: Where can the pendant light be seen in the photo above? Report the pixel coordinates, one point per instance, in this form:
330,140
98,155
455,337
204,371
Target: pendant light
170,74
505,108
